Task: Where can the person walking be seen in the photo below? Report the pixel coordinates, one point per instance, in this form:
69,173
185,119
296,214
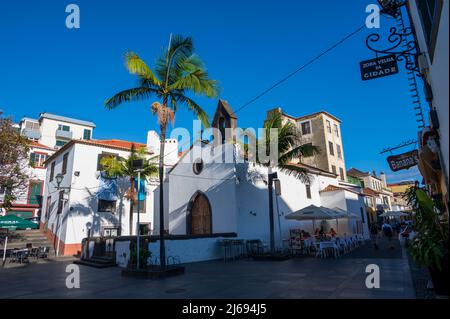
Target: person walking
388,232
374,235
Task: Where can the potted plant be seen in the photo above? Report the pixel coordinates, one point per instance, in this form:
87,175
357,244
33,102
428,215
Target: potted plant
144,254
430,246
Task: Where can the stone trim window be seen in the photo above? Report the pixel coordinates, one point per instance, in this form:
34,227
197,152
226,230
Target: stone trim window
305,127
106,206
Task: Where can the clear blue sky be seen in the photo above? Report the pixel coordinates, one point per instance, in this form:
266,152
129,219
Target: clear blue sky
246,45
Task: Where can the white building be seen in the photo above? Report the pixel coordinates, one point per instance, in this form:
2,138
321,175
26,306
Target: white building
54,130
233,198
430,19
214,193
46,135
86,198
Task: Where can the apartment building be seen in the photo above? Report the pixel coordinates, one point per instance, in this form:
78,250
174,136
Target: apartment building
322,130
54,130
379,197
46,134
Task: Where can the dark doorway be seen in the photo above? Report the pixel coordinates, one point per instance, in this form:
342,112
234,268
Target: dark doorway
199,215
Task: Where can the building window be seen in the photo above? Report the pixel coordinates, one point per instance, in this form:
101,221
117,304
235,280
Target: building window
47,207
306,127
106,206
336,130
144,229
60,202
37,159
341,172
64,163
86,134
34,195
328,126
308,191
52,171
101,156
362,214
333,169
60,143
430,12
65,128
339,151
33,126
110,231
330,144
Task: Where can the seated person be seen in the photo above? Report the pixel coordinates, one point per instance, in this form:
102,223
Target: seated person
332,232
317,232
305,235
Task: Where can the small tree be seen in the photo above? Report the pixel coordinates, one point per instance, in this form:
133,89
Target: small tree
289,148
13,162
123,167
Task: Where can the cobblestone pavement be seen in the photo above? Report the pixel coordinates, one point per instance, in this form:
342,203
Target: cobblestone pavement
294,278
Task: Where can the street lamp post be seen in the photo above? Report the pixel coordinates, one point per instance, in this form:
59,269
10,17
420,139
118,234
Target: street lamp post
59,178
138,166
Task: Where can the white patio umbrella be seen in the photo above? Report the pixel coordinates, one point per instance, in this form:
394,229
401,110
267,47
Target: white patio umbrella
312,212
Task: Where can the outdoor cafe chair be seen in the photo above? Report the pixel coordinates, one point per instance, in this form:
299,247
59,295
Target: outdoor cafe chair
342,245
43,252
295,243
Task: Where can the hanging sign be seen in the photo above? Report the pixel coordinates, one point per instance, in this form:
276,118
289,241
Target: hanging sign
379,67
403,161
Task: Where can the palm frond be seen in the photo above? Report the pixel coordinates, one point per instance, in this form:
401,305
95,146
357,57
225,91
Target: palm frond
129,95
298,172
135,65
305,150
192,75
195,108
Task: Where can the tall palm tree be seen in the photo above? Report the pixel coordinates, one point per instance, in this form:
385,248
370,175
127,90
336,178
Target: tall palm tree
123,167
177,73
290,148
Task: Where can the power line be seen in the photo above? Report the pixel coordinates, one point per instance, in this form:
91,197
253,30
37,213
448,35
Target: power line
276,84
317,57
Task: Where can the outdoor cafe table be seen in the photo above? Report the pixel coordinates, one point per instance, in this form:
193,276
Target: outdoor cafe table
19,255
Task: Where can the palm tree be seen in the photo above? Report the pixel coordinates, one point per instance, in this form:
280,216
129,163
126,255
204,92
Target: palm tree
123,167
178,71
289,148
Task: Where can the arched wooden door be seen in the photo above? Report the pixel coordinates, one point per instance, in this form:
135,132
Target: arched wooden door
200,215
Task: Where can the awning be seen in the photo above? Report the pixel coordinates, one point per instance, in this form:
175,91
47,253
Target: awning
393,214
14,222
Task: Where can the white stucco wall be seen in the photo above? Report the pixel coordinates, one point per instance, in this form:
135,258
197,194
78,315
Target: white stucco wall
189,250
81,207
48,129
438,75
217,181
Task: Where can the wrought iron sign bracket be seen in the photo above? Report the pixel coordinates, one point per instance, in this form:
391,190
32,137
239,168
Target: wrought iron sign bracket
401,41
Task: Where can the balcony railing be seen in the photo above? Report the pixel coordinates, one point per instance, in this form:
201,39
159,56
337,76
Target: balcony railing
34,134
63,134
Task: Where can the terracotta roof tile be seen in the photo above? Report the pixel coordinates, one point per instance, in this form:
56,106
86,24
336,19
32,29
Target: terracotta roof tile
39,145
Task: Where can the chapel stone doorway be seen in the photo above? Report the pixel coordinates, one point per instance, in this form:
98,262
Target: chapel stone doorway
200,215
